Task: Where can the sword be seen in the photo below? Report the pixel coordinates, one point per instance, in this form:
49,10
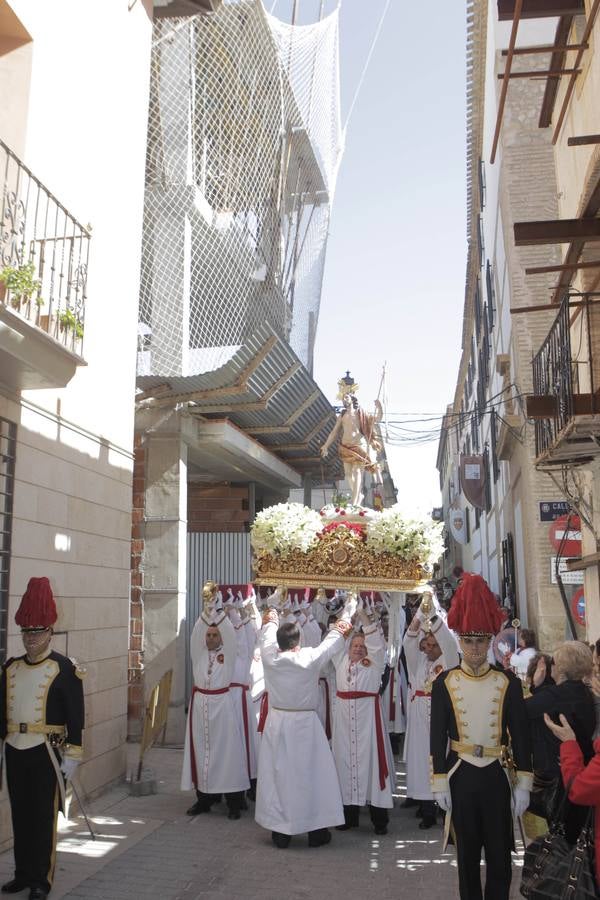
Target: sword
82,808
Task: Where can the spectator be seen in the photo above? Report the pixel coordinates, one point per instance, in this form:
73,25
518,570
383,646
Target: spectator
524,653
570,665
584,780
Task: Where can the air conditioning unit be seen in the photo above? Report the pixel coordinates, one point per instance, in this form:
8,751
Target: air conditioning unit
176,8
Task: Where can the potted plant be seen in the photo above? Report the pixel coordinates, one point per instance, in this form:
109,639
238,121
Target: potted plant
20,283
68,321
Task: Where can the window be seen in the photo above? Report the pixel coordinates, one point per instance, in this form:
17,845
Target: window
477,308
486,475
491,300
481,184
494,439
480,240
8,440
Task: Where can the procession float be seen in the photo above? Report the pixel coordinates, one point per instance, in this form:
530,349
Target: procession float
352,548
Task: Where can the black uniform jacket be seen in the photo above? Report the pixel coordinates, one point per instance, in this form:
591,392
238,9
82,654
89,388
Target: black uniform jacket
62,700
513,726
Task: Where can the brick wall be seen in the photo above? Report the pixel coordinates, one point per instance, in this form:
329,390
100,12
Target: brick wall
135,672
218,507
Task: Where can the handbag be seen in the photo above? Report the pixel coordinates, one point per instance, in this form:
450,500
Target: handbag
553,869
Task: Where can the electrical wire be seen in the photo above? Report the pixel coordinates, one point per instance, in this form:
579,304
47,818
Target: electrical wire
366,65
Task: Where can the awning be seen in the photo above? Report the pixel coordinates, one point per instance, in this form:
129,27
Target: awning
266,392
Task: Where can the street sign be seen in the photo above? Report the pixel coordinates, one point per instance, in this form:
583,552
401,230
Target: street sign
578,606
557,533
553,509
566,576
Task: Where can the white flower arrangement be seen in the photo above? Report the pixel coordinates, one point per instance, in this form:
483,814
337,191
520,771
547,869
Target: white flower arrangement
407,538
285,527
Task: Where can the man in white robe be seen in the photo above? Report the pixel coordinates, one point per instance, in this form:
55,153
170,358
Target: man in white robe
430,648
243,619
297,788
214,760
361,745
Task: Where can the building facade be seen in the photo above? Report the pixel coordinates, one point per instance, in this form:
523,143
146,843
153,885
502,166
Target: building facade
72,143
243,146
519,173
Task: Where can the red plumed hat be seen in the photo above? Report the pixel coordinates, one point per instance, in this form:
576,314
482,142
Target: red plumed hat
474,608
37,608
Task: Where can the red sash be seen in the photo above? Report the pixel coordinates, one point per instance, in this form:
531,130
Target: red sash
421,694
264,709
392,698
327,709
383,766
244,687
197,690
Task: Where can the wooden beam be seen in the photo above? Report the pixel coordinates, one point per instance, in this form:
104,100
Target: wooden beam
545,48
556,231
576,249
577,564
540,9
545,406
591,18
569,267
516,15
541,73
583,139
557,61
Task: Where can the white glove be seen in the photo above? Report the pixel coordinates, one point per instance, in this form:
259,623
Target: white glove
520,801
68,766
443,800
350,607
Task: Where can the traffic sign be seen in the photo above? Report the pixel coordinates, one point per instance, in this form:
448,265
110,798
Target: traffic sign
566,576
578,606
553,509
558,533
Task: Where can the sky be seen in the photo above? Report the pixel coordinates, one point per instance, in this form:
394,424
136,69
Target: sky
394,280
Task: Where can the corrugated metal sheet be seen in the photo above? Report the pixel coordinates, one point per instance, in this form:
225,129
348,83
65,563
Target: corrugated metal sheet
292,394
214,556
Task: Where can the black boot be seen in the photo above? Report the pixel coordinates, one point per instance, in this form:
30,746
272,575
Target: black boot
379,818
14,886
280,840
351,814
202,805
234,804
319,837
408,802
251,792
429,817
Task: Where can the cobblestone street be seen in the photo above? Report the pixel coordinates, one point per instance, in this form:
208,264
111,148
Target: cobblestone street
148,847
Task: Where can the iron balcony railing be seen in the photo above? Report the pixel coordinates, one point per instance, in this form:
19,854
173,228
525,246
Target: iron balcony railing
570,380
43,255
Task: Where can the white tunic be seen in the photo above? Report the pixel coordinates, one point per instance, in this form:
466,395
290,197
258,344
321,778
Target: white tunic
214,758
395,698
240,690
361,744
297,788
421,673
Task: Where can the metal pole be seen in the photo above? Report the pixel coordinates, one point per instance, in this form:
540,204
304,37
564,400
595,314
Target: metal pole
295,11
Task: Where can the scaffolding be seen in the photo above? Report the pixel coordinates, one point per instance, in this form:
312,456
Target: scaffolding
244,144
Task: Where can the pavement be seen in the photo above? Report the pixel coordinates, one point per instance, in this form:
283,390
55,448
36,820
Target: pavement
148,847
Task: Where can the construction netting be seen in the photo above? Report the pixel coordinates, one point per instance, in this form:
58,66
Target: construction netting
244,143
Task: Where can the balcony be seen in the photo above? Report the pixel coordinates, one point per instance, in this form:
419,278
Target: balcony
43,274
566,383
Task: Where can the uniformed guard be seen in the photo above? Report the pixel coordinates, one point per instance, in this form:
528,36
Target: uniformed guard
41,722
480,746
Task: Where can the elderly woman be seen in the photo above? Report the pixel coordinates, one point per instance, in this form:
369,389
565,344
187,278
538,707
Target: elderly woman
571,665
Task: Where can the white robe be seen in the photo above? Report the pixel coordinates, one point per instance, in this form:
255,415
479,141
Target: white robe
421,673
214,743
242,698
297,788
395,699
355,733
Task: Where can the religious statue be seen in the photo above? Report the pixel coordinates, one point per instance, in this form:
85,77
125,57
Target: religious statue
359,445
